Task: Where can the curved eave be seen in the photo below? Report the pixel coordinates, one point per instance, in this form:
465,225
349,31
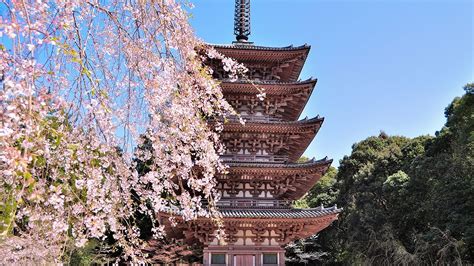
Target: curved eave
302,132
300,188
301,126
270,88
256,55
249,213
260,48
307,222
268,167
299,91
309,174
289,213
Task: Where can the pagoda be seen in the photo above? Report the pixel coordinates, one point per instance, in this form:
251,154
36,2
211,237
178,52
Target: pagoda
264,176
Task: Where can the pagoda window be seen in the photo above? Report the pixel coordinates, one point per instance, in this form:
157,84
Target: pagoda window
270,259
218,259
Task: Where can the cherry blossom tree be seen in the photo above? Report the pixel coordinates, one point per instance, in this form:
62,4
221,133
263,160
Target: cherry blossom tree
83,83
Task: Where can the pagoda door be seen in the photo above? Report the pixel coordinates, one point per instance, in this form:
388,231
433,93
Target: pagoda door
244,260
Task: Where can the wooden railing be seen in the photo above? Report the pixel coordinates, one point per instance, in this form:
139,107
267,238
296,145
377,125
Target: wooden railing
254,158
257,203
254,118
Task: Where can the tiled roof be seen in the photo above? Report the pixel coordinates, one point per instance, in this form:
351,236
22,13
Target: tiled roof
301,122
264,48
270,82
307,164
279,213
292,57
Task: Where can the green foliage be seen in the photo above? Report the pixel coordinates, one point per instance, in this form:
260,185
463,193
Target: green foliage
324,192
95,252
469,88
300,204
309,251
305,251
406,201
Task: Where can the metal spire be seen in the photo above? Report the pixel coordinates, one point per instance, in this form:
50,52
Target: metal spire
242,20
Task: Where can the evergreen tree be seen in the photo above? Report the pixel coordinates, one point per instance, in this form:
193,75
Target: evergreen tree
406,201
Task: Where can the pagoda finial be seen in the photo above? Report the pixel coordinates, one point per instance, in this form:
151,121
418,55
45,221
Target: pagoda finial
242,20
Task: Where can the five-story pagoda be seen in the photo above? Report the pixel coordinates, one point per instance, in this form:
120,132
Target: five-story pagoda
264,176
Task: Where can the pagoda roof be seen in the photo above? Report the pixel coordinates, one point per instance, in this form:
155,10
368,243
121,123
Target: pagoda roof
271,87
299,91
294,56
247,166
273,213
307,174
249,46
295,95
311,125
288,224
301,132
288,213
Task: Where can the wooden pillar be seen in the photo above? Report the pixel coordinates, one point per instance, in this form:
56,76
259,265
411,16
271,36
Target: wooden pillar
230,259
206,260
281,258
258,259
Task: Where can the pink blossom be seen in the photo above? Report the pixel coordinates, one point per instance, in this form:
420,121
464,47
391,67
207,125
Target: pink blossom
73,112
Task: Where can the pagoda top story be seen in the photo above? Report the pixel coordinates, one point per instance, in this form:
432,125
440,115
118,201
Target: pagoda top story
265,64
268,63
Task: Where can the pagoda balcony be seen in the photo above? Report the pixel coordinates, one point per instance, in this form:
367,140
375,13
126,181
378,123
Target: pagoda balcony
254,158
254,204
257,118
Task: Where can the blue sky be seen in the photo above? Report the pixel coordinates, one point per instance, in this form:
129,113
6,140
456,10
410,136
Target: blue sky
381,65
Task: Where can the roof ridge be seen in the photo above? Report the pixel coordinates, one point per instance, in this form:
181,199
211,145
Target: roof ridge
270,82
305,120
279,164
259,47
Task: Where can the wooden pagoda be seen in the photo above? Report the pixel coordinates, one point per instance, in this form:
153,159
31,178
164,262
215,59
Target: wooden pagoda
264,177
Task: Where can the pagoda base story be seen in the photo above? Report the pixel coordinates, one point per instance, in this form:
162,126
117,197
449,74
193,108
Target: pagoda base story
249,241
244,255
